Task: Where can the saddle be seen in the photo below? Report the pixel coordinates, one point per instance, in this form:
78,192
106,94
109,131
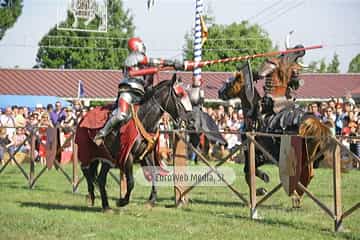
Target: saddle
96,118
287,119
126,135
280,103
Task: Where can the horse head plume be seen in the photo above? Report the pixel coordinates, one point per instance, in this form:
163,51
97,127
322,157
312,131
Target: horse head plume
287,39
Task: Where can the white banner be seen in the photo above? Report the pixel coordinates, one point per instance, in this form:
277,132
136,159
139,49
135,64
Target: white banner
186,176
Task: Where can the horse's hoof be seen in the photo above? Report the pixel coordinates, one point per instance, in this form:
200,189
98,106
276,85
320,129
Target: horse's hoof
108,210
149,205
296,203
182,203
261,192
90,201
122,202
265,178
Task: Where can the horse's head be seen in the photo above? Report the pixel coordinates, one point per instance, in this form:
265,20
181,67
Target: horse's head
173,99
320,137
232,87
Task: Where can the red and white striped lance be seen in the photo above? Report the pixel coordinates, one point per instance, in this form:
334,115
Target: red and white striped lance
190,65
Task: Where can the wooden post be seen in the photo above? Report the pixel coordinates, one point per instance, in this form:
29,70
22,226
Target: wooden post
180,157
251,159
75,164
32,160
337,188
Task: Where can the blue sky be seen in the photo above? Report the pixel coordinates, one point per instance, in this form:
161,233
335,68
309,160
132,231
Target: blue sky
333,23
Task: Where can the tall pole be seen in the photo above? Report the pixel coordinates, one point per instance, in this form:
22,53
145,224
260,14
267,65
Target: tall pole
195,93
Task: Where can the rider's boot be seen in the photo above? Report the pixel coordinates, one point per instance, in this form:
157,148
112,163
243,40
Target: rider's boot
109,126
120,115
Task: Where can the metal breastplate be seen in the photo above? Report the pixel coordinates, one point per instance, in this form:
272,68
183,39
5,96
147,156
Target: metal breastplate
276,83
132,85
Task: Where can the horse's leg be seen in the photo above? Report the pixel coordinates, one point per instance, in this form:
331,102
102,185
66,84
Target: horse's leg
195,141
90,183
259,191
105,167
262,175
93,171
153,193
296,200
129,183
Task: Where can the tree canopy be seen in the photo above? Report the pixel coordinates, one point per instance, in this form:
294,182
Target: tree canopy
321,66
10,10
354,66
231,40
88,50
333,66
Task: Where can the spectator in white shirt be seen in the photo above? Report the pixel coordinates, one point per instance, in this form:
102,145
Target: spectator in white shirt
7,120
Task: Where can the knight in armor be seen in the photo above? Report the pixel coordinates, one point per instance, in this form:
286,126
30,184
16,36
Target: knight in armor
132,88
281,77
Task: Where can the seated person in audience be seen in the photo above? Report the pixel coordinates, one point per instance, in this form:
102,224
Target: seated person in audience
19,117
19,140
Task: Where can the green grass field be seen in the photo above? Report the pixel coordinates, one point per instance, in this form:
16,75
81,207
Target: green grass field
52,211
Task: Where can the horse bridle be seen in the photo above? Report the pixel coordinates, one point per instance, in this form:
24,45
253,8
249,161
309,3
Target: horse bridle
176,122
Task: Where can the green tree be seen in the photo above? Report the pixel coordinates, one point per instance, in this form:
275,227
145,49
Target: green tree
10,10
317,66
322,67
354,66
84,50
333,66
231,40
312,66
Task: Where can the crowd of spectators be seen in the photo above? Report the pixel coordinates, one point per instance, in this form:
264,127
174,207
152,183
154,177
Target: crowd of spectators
343,118
16,123
340,114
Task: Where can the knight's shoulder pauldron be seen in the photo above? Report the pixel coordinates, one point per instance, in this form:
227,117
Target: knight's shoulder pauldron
134,59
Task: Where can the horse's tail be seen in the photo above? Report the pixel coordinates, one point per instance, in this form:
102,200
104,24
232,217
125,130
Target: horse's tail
313,127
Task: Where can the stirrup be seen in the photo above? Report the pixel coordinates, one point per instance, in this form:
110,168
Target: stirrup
98,140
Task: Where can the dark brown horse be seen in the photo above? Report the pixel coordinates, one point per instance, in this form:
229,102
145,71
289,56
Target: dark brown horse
291,120
167,96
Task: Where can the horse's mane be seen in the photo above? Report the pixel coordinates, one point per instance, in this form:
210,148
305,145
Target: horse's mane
285,71
239,77
313,127
147,102
148,94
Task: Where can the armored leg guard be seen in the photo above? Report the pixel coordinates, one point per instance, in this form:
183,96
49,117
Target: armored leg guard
119,116
109,126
